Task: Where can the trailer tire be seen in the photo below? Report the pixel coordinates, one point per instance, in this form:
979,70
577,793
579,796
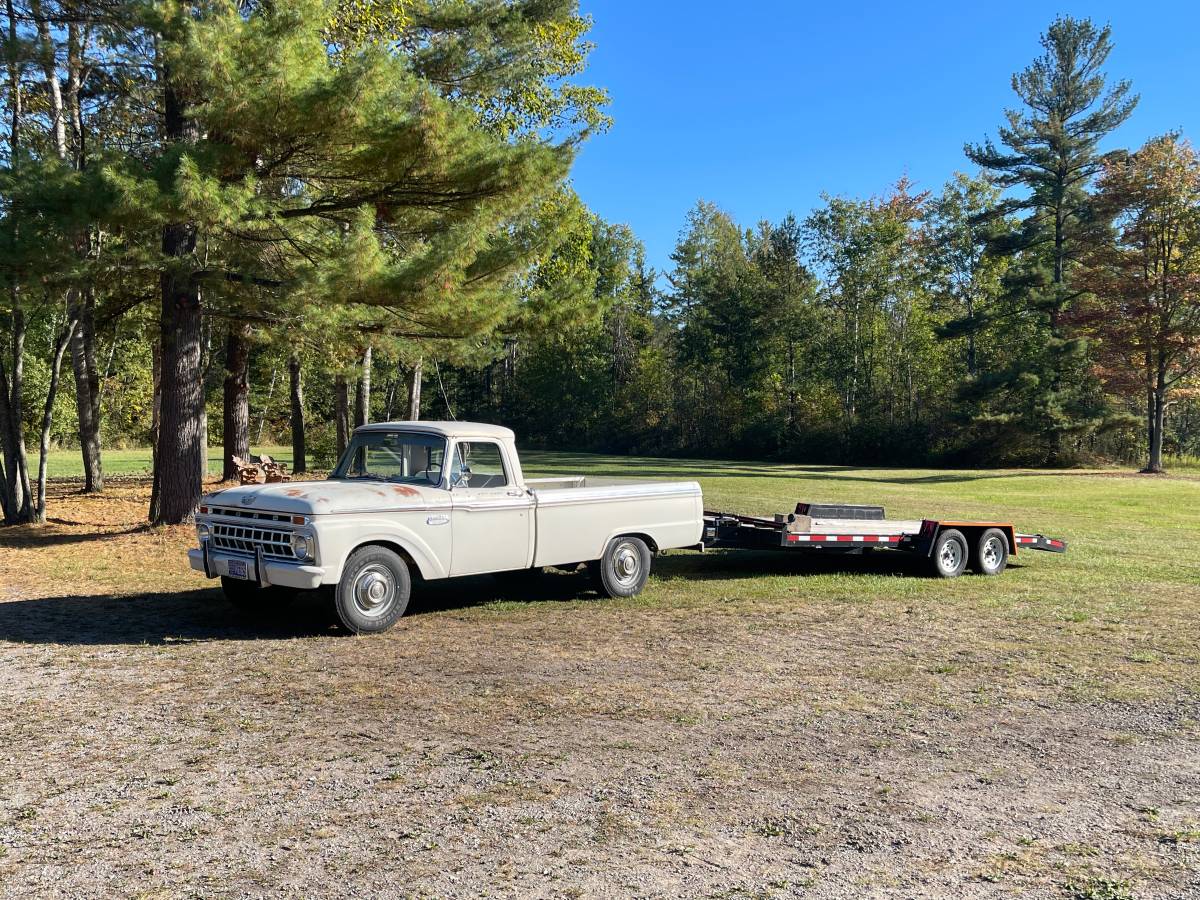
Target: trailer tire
623,569
949,556
254,601
990,556
373,591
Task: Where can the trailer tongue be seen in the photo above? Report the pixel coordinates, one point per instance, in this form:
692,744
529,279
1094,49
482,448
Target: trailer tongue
949,545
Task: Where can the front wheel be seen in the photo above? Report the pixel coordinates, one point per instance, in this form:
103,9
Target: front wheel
374,589
949,555
623,569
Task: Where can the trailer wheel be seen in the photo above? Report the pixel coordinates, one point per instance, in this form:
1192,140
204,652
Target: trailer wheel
990,555
623,569
254,601
374,589
949,555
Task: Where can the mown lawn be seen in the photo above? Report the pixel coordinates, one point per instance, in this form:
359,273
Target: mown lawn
762,725
65,463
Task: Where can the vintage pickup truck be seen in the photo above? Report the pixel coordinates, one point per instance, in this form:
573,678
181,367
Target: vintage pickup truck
434,500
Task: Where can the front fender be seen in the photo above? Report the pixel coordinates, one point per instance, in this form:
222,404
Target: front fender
428,545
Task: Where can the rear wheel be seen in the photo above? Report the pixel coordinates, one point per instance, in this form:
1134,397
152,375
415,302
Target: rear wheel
949,555
990,555
374,589
623,569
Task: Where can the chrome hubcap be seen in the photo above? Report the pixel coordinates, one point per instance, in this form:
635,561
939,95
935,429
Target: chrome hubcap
626,564
950,556
374,588
991,553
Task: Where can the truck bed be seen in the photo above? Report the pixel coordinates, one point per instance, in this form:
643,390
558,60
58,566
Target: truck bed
578,515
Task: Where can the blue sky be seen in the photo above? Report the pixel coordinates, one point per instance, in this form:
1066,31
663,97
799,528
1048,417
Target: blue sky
760,106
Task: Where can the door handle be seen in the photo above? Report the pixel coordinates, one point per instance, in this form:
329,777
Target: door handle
516,493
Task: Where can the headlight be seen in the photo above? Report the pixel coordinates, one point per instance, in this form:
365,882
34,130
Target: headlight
301,546
203,532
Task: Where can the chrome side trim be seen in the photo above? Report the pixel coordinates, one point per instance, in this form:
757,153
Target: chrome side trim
489,505
579,496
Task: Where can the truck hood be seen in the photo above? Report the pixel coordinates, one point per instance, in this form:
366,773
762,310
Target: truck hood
333,496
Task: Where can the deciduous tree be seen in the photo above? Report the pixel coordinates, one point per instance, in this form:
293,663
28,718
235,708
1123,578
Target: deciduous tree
1142,311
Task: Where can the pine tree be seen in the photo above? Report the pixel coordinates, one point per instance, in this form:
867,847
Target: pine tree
318,179
1050,150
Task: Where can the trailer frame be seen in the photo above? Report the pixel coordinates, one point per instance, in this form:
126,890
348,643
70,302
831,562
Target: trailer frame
855,529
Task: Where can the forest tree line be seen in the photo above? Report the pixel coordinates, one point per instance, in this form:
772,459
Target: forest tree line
237,223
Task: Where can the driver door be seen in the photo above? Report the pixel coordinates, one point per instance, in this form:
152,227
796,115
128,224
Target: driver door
491,517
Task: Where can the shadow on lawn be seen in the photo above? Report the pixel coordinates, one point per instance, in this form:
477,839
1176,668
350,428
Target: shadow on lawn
204,615
33,537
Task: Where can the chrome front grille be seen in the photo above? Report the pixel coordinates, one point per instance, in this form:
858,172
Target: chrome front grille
236,513
275,543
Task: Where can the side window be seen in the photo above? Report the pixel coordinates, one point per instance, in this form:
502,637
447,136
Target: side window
479,464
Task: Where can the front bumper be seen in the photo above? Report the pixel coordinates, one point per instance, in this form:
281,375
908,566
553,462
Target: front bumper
293,575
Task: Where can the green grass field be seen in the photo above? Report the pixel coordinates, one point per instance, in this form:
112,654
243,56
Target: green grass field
66,463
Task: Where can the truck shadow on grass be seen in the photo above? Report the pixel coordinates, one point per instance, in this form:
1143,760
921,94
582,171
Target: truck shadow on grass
204,615
174,618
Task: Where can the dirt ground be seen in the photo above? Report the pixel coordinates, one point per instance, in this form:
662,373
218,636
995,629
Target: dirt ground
534,741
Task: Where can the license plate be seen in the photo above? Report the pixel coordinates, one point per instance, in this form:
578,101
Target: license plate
238,569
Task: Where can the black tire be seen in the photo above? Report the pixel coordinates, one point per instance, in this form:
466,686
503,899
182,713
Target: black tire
373,592
949,557
623,569
251,600
990,554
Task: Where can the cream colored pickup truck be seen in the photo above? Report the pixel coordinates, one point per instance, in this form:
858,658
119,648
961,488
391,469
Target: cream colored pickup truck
438,500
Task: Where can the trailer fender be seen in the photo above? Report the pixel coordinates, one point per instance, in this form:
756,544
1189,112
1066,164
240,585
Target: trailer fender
931,528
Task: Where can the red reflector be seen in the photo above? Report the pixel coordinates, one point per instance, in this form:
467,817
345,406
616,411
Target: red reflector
204,510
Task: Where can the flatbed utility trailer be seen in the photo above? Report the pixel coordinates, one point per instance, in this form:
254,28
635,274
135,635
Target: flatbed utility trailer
950,546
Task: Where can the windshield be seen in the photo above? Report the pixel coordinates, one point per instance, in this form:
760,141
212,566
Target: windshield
397,456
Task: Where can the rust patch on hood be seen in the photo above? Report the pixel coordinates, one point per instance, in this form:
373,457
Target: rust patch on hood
405,491
295,492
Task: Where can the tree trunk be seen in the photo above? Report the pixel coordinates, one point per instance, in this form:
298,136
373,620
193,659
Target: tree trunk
15,493
362,395
389,403
341,412
60,350
1158,410
236,406
299,462
177,472
87,391
414,394
155,421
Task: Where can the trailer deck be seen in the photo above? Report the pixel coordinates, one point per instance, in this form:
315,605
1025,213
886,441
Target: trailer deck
950,545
